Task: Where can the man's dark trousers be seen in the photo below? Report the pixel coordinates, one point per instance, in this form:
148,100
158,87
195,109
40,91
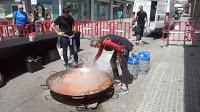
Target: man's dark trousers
65,42
124,67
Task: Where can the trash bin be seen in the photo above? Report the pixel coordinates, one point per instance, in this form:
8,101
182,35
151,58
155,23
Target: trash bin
33,65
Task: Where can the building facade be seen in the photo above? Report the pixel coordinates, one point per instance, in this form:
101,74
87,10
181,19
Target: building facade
80,9
7,7
126,7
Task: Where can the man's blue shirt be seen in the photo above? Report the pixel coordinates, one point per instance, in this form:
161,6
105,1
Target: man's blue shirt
20,18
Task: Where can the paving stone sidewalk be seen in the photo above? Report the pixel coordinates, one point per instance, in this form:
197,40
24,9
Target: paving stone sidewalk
175,83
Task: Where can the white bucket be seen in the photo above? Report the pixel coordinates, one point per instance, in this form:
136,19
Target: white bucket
32,36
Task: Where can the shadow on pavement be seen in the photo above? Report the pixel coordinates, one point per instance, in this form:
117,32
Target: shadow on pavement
80,50
12,68
192,79
84,100
144,42
155,35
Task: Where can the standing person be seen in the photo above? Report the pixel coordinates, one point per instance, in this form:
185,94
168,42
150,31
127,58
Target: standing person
20,19
121,47
40,12
141,18
32,19
66,25
32,15
48,15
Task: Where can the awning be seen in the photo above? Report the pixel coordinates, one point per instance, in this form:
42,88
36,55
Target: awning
9,16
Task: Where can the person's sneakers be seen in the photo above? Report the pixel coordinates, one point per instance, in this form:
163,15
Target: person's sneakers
137,42
67,67
122,90
75,64
135,76
117,83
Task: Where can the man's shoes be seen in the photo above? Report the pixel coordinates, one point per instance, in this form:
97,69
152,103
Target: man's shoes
122,90
67,67
135,76
75,64
137,42
117,83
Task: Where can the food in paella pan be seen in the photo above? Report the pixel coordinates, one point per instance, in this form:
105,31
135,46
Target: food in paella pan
79,83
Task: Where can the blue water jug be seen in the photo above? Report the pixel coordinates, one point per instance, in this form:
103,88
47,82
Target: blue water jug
144,61
133,66
146,55
136,56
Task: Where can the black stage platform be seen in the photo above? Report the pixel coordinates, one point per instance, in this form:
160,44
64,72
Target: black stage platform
22,47
14,52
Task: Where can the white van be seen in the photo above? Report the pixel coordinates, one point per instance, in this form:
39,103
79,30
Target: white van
156,10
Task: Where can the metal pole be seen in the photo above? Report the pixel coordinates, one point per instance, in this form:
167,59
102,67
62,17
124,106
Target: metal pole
60,6
193,13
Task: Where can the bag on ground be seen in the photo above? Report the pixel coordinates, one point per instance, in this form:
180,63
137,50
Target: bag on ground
146,32
60,50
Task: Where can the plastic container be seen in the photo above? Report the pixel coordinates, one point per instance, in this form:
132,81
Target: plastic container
144,61
133,66
136,56
33,64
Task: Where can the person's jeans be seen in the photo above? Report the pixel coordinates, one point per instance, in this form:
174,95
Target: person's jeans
31,27
21,30
77,38
139,34
65,42
126,76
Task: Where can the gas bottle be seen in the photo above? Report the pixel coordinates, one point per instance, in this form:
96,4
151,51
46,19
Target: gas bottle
144,61
133,65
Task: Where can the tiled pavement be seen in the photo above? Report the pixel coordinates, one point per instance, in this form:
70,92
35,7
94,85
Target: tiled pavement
175,82
172,84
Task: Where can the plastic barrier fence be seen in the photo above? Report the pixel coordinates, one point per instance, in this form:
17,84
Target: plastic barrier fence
180,31
86,27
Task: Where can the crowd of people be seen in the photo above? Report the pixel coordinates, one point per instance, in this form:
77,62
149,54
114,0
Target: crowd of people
36,14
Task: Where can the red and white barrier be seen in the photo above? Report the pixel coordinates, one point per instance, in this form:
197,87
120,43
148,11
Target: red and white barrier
180,31
86,27
100,28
